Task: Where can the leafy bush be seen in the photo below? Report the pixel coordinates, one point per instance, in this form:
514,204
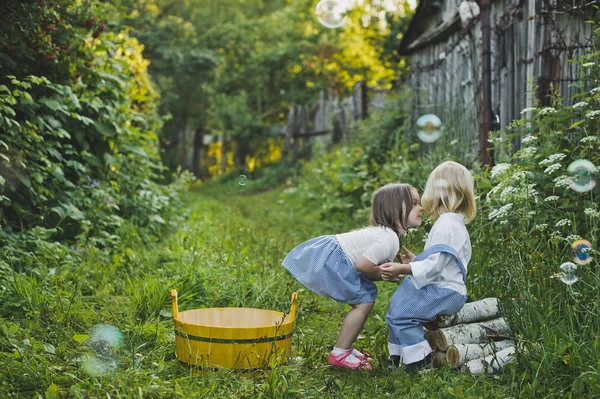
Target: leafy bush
80,157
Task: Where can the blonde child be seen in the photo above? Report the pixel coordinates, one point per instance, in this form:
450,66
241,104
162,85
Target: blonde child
437,276
344,266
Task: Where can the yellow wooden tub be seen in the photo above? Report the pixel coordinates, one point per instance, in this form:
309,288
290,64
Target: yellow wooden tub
234,338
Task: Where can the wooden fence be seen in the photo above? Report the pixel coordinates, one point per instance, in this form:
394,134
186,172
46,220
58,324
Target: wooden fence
330,120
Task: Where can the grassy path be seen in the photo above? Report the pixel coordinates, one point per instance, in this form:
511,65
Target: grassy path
228,253
282,222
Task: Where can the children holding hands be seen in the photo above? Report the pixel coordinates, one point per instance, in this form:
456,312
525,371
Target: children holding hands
344,266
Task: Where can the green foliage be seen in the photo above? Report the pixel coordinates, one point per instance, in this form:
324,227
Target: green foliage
253,61
534,212
77,158
528,217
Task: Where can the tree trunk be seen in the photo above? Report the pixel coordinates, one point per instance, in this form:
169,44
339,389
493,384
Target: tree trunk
490,363
459,354
484,309
474,333
196,151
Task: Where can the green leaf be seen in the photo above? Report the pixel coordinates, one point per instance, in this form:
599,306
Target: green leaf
575,124
157,218
80,338
52,392
133,149
50,103
105,129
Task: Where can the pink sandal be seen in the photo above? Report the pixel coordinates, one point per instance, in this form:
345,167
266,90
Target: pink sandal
363,357
340,361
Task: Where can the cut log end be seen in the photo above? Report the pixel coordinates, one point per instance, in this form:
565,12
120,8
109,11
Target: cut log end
439,359
452,356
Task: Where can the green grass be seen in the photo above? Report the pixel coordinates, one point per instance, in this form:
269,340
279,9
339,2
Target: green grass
227,253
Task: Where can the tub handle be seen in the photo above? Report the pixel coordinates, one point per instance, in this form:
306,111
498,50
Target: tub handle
174,304
293,307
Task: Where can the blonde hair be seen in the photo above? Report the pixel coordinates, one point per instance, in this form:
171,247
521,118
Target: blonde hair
450,186
390,206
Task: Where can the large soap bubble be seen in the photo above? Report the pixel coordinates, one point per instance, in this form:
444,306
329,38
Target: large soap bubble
568,274
105,340
331,14
582,249
582,170
429,128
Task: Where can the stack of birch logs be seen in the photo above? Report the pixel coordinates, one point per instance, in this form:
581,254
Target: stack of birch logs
475,339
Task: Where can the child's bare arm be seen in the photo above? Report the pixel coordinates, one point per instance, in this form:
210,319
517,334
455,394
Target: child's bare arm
393,271
368,268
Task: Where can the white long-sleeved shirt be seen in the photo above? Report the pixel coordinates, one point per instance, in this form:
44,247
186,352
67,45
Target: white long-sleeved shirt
376,243
442,269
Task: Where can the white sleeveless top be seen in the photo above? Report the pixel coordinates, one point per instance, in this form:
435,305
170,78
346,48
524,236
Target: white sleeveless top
377,244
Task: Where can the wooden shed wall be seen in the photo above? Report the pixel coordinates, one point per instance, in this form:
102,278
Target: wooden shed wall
529,44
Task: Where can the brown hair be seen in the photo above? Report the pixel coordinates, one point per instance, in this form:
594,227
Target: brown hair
450,186
390,206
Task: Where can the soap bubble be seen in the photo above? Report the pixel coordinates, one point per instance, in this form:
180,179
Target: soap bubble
242,180
582,170
330,14
98,367
568,275
429,128
582,250
105,339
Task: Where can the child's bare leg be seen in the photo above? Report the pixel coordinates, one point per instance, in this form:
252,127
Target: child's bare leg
353,324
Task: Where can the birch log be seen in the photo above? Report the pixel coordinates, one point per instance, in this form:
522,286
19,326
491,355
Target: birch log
490,363
474,333
459,354
439,359
484,309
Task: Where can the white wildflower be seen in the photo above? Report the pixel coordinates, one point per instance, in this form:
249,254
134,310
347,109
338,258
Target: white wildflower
573,237
563,181
595,90
589,138
592,114
521,175
500,213
580,104
503,222
551,198
499,169
541,226
552,168
527,139
555,235
531,192
563,222
453,142
527,152
506,193
552,159
526,110
531,213
592,213
588,64
546,110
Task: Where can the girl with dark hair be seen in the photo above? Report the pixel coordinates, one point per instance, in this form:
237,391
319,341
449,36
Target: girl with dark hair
344,266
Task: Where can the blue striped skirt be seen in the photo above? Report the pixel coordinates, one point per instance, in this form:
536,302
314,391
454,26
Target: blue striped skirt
321,265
